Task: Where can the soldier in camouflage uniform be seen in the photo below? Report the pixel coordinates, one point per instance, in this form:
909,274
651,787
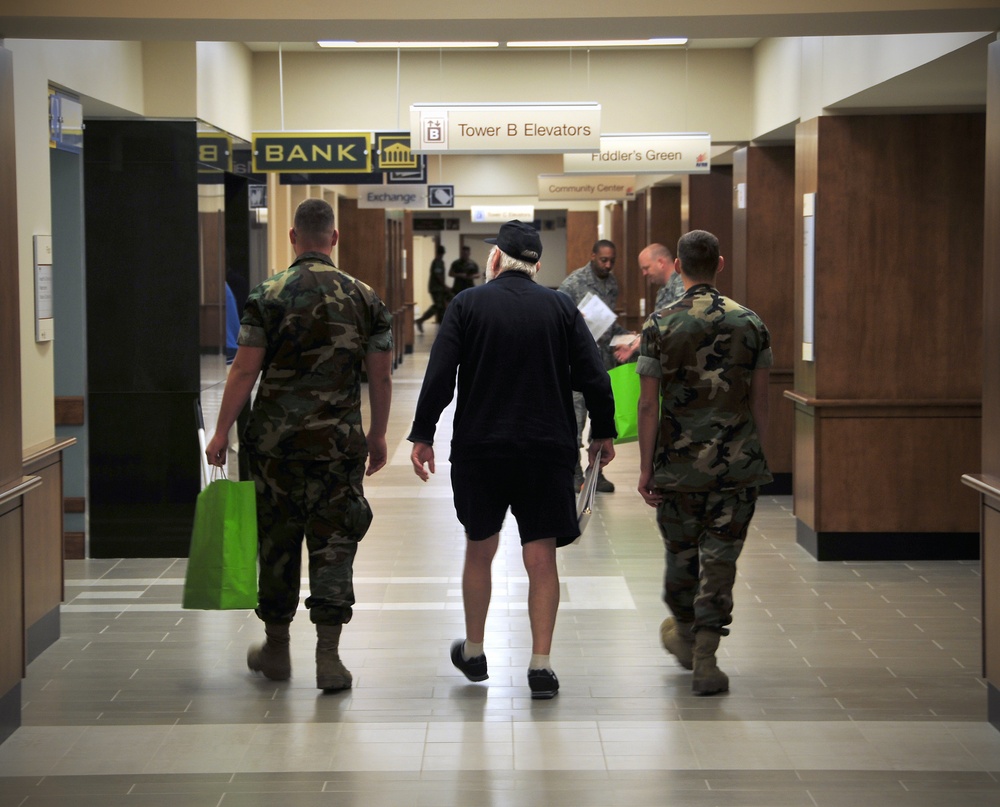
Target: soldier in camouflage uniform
309,329
596,277
701,461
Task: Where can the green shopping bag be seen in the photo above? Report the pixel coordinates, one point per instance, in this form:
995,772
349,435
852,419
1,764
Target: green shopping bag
625,384
222,563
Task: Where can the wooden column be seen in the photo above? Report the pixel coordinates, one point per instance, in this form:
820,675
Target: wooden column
581,233
762,272
888,414
631,283
708,203
987,483
663,226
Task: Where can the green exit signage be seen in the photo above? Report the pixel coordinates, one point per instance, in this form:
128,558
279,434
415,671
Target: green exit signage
318,152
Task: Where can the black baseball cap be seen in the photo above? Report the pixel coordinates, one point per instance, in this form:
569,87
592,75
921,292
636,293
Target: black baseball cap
519,240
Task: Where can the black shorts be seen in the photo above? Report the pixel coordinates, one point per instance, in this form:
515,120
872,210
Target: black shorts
539,494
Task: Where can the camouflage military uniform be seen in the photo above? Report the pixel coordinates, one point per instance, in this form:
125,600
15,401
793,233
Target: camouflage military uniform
576,285
708,458
670,292
305,438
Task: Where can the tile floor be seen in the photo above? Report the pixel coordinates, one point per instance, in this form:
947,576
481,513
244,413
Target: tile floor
851,682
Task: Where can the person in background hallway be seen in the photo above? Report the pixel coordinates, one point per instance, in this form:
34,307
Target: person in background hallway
595,277
441,293
309,329
232,325
701,457
519,350
465,271
657,264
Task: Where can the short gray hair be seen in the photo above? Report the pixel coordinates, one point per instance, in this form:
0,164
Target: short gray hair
511,264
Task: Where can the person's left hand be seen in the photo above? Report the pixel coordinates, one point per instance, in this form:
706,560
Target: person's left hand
626,350
647,489
422,454
216,449
377,454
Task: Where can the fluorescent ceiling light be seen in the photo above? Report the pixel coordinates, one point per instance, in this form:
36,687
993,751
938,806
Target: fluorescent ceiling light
601,43
404,45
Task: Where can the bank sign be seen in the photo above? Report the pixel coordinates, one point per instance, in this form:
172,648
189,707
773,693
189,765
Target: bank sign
505,128
686,153
314,152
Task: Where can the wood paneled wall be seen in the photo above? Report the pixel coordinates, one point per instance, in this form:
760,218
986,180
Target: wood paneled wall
708,203
631,283
991,279
43,549
990,508
762,272
12,661
581,233
371,249
890,406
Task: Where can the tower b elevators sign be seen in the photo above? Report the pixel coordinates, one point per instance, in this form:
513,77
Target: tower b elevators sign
313,152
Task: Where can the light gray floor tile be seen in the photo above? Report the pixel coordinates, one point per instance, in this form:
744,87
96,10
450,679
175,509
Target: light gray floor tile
850,682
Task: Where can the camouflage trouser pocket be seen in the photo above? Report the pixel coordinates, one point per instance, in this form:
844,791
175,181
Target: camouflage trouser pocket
324,503
703,534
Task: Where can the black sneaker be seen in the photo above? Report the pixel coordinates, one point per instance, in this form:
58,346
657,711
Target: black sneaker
543,684
605,485
474,668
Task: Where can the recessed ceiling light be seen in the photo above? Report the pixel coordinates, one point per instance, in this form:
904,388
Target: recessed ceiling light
601,43
404,45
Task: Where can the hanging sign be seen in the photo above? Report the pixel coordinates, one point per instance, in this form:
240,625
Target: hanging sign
312,152
497,214
215,151
553,187
65,122
645,154
500,128
393,197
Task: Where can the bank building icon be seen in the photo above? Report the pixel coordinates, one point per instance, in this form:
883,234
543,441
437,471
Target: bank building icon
395,155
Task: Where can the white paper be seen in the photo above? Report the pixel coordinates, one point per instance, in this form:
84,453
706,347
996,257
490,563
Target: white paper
596,314
585,499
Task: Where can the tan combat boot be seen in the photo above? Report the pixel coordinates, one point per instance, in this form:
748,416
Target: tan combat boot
678,641
708,678
331,674
272,657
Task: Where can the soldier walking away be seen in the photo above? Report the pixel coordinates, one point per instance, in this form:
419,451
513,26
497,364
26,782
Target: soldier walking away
701,461
307,332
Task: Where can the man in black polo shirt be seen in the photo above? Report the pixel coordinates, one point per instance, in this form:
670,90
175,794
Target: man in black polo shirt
519,350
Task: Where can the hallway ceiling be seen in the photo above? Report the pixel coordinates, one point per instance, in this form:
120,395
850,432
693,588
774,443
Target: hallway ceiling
309,20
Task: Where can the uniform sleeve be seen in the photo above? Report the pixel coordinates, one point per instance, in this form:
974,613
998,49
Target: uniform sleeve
380,339
252,330
648,363
765,358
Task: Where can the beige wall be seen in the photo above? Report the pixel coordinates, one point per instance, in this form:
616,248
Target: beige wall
736,95
801,78
110,71
225,87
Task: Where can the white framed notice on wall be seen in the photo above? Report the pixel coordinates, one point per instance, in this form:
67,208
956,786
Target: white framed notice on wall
43,288
809,277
